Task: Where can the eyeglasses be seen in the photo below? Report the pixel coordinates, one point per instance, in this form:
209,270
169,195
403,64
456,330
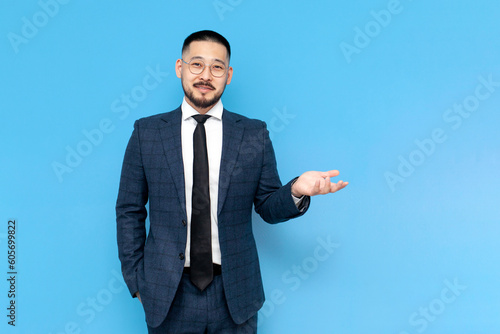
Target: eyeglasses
197,66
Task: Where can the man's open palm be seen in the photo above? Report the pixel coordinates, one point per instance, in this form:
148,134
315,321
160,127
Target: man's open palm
314,183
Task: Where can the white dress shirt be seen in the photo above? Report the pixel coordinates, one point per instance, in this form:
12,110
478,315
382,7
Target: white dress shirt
213,130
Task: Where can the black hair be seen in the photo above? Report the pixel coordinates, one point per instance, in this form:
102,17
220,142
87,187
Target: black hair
207,36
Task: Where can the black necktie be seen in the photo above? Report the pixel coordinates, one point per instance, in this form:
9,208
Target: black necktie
201,238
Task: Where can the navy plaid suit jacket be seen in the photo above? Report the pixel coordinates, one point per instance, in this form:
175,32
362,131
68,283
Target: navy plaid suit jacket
153,171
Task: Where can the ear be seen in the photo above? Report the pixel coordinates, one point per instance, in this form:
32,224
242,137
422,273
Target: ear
178,67
229,75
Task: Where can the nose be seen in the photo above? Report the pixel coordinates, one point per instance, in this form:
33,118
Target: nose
206,74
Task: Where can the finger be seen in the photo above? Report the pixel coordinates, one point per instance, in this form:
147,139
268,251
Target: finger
327,187
337,186
316,187
324,186
331,173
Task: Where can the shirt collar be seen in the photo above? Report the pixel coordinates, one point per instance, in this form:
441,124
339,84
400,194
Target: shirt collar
188,111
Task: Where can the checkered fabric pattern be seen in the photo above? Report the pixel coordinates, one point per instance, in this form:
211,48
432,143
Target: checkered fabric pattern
153,172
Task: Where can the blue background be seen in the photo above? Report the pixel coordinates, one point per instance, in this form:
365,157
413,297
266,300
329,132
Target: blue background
401,240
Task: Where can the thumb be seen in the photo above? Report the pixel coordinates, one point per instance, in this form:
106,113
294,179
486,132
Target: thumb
331,173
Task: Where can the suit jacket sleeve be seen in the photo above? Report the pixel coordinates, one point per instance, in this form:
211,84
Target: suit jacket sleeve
274,202
131,212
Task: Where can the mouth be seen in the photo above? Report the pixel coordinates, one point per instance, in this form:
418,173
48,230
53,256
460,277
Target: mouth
204,86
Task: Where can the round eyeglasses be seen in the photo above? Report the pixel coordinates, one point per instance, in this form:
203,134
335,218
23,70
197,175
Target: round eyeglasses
197,66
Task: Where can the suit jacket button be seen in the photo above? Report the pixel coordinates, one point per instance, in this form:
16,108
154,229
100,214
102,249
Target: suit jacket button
181,256
184,223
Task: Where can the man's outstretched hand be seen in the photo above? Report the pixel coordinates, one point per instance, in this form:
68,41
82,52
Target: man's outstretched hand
314,183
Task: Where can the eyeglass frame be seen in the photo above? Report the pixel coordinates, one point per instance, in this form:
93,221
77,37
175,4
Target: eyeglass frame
205,65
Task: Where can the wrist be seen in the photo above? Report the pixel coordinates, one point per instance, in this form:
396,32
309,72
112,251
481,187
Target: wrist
294,190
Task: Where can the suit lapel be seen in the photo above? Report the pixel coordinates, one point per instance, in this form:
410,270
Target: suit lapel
232,134
170,132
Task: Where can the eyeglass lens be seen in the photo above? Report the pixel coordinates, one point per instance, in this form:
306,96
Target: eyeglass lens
196,66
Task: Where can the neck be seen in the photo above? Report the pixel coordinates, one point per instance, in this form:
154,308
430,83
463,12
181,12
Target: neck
201,110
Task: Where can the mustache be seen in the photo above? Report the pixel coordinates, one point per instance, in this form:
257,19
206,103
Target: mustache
204,83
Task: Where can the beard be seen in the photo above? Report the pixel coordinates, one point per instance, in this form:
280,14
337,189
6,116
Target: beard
202,102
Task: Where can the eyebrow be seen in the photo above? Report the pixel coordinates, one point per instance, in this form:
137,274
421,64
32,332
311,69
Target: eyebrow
215,59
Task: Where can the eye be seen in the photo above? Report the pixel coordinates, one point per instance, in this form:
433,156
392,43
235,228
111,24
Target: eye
196,64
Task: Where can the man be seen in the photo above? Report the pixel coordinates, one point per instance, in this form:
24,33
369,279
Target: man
202,168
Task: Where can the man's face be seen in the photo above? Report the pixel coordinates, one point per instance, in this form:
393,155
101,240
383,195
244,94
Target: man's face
203,90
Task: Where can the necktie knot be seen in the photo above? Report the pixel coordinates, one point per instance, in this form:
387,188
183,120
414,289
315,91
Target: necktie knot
201,119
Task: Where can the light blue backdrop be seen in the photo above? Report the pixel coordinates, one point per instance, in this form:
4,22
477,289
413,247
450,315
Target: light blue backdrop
403,97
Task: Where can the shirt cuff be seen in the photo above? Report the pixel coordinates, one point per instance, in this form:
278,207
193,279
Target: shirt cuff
297,200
